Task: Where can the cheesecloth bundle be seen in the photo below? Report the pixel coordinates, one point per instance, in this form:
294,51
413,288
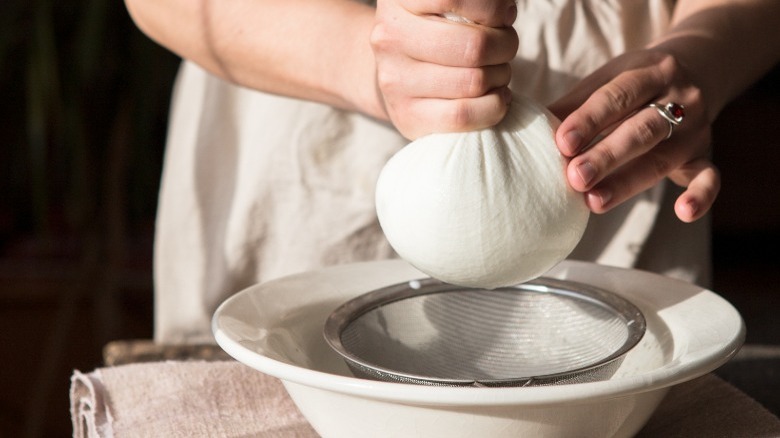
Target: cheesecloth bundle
487,208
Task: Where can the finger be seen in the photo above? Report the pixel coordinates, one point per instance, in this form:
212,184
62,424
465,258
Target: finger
454,115
608,104
702,180
635,177
577,96
496,13
431,80
445,43
629,140
583,89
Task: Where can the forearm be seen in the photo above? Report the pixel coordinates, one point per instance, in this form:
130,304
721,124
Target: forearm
315,50
725,45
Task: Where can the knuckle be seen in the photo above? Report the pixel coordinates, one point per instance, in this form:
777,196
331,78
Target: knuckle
668,63
588,122
660,166
474,82
620,95
606,157
474,49
709,169
406,126
380,38
386,80
662,64
647,132
472,114
459,116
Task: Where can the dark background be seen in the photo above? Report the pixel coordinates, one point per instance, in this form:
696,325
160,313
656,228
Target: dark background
83,106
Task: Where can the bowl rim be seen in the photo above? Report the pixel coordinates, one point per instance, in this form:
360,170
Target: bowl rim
700,347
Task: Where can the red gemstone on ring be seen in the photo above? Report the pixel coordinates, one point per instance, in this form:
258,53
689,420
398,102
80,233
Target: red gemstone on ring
677,111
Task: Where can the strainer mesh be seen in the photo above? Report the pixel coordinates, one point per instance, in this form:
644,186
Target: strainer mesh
486,335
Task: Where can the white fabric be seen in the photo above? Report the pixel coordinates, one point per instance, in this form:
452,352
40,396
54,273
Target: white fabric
257,186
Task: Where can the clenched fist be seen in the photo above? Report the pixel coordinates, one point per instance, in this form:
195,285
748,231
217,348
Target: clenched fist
443,66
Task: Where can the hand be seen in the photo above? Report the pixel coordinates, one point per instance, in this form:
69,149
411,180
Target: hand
618,145
440,75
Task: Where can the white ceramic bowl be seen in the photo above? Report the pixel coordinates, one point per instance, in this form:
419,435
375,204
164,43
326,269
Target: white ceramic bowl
276,328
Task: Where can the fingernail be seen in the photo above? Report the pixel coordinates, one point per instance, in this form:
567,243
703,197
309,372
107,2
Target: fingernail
511,15
574,140
599,198
586,172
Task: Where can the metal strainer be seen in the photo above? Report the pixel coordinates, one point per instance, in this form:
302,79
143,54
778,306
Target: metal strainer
541,332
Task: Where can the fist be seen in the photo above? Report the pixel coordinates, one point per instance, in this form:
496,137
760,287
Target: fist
443,66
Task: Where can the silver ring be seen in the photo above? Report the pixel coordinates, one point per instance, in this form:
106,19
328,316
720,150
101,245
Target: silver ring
674,113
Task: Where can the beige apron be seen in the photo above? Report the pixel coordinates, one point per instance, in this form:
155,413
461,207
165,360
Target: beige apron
257,186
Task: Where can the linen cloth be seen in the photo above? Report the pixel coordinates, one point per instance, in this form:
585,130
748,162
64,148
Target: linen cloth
182,399
257,186
228,399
